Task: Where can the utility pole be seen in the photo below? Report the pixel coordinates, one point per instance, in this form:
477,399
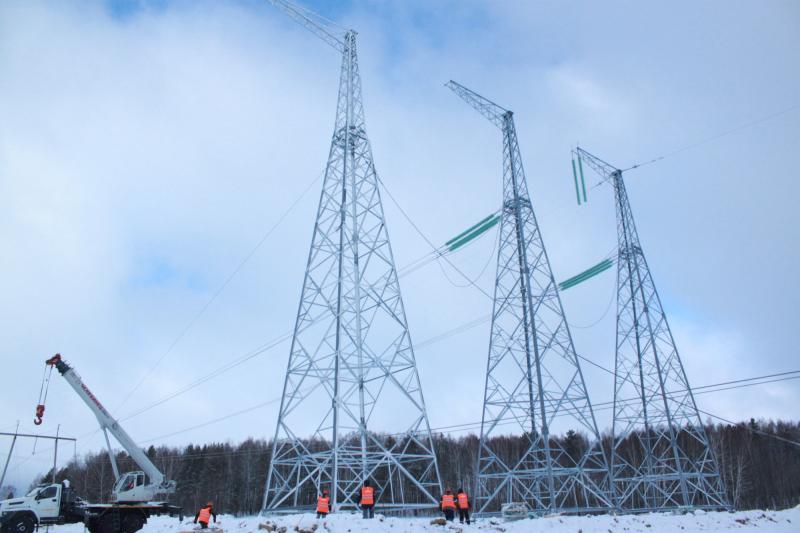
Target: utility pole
661,458
351,365
16,435
533,375
8,459
55,452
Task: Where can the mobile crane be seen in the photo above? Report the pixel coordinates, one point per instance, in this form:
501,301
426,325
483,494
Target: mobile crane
131,499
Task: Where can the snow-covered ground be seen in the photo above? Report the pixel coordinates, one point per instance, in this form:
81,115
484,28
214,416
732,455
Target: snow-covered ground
762,521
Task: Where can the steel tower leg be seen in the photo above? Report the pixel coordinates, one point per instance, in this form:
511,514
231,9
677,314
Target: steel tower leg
351,360
534,382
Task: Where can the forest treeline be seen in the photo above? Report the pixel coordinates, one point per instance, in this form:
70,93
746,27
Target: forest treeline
759,464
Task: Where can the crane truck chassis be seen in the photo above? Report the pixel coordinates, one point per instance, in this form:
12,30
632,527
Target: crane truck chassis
57,503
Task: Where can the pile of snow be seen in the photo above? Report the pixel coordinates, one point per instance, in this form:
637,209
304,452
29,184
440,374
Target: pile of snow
787,521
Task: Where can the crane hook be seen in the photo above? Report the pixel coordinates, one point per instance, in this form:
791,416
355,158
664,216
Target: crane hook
48,371
39,415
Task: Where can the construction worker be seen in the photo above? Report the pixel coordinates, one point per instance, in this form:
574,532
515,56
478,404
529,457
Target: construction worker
366,499
324,504
462,502
204,514
448,505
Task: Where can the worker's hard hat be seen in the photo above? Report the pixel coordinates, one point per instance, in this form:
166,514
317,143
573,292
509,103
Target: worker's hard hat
209,504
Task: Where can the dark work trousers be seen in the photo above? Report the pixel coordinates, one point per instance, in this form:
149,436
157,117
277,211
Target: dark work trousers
449,514
463,514
321,515
368,511
203,525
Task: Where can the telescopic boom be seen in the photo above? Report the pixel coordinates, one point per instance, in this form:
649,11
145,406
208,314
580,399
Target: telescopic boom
131,487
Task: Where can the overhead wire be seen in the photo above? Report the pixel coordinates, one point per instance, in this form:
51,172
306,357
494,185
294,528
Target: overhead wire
611,300
425,237
433,253
480,273
601,406
754,430
220,289
467,426
607,405
610,255
715,137
426,259
269,345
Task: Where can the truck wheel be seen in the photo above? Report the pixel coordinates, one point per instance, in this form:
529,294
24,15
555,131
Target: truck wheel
132,523
23,524
110,524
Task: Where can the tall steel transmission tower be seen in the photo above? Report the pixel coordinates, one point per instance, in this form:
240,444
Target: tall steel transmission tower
534,383
351,360
661,457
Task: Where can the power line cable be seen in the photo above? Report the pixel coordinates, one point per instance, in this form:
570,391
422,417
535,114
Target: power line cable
269,345
219,290
601,406
422,234
754,430
715,137
425,237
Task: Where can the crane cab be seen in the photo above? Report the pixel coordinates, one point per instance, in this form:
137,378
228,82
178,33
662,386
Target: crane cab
132,487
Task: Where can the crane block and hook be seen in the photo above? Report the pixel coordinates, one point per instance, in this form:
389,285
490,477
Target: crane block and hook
48,371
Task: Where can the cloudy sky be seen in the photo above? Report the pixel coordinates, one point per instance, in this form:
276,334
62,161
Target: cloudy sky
147,148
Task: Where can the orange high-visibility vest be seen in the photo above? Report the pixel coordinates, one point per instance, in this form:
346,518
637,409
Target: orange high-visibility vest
205,514
463,501
367,496
323,504
448,502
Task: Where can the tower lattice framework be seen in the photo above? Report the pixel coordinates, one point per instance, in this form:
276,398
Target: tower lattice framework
661,456
351,365
535,389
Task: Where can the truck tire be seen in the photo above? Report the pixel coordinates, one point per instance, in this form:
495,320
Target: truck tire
21,524
110,523
132,522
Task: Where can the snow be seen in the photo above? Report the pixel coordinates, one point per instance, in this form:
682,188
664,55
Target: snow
757,521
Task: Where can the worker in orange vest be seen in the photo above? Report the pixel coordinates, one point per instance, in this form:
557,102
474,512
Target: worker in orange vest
204,514
448,505
324,504
462,502
366,499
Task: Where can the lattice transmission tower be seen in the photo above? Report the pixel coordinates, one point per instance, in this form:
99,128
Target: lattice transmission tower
661,457
351,361
534,383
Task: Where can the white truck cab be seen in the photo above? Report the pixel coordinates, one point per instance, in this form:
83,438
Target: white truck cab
46,501
45,504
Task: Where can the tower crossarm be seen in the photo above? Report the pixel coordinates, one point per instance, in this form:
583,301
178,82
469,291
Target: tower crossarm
605,170
484,106
327,30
